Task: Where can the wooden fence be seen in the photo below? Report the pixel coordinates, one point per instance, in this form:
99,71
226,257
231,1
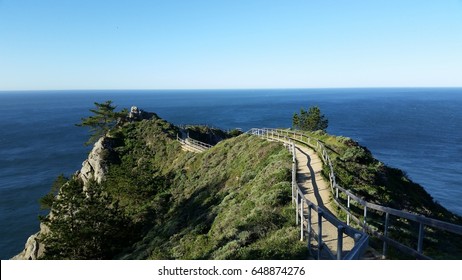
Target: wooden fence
336,190
194,144
305,210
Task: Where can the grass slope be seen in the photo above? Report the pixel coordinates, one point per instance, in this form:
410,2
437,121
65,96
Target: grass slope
230,202
358,171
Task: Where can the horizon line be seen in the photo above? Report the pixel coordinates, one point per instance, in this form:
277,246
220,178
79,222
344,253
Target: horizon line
230,89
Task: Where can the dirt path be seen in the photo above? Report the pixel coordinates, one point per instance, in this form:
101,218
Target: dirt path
317,190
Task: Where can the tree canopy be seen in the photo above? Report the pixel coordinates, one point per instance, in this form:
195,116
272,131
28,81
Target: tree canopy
85,224
310,120
103,120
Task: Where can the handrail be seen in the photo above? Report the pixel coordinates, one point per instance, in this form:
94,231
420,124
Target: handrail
305,214
198,143
193,143
336,188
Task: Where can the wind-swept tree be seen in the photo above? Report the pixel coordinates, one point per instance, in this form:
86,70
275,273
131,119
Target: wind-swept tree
310,120
103,120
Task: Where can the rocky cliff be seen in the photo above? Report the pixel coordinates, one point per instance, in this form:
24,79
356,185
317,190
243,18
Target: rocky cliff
93,168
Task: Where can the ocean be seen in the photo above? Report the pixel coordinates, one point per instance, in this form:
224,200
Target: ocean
418,130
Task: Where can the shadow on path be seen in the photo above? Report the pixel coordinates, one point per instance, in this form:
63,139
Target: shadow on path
312,177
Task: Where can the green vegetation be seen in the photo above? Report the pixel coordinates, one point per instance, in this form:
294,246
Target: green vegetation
208,134
358,171
46,202
232,201
310,120
158,202
227,203
85,224
103,120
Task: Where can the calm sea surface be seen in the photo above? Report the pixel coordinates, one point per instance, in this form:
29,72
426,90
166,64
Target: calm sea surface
417,130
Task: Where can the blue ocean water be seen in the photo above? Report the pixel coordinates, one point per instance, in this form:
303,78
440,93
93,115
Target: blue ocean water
414,129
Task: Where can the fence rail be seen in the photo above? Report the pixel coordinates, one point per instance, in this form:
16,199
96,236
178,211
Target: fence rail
305,209
194,144
336,190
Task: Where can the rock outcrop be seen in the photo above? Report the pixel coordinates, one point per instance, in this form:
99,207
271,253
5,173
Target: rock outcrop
33,249
95,166
137,114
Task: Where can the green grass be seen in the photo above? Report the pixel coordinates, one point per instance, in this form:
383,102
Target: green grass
231,202
358,171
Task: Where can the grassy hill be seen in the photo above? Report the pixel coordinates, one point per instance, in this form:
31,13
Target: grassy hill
230,202
359,172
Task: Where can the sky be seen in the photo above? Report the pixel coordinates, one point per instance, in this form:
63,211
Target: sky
228,44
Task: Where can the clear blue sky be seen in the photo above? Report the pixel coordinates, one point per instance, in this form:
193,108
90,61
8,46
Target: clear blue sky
173,44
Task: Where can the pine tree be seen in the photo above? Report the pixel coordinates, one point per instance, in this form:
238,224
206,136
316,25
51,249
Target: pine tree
47,200
84,224
103,120
310,120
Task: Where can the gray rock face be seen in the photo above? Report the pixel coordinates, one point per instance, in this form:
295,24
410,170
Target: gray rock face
33,249
95,166
137,114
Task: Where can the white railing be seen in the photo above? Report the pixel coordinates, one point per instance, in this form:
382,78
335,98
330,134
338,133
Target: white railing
194,144
336,189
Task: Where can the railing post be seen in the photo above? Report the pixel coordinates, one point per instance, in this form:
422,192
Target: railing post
365,218
293,192
309,227
340,230
301,218
421,237
319,233
348,214
296,207
294,171
385,234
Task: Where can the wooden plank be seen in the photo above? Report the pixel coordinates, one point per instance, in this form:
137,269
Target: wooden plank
385,234
421,237
358,250
403,248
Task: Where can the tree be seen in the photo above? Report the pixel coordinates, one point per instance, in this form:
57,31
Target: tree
103,120
47,200
310,120
85,224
